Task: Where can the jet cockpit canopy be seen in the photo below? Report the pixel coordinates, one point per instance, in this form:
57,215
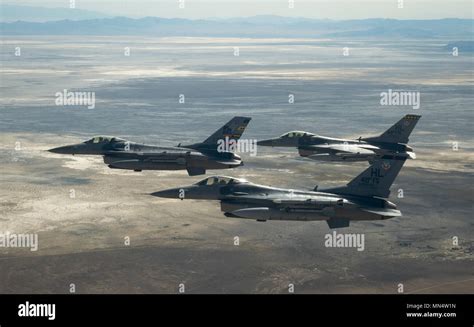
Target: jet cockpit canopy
104,139
221,180
297,134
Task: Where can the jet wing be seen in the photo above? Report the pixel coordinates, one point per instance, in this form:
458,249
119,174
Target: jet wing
167,155
342,149
159,153
277,201
310,201
247,197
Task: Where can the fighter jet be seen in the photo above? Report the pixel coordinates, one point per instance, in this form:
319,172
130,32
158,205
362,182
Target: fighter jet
363,198
195,158
316,147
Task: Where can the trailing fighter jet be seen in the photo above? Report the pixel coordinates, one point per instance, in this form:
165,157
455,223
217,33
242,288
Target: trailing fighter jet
316,147
195,158
363,198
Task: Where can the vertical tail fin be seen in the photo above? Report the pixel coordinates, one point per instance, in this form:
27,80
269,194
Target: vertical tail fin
233,130
399,132
375,180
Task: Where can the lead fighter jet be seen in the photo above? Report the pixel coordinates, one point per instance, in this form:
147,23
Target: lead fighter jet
195,158
363,198
317,147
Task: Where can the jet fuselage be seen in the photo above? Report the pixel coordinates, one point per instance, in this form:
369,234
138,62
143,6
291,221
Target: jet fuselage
392,142
122,154
241,199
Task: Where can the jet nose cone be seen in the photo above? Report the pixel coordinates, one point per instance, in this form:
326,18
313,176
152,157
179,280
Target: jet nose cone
158,194
62,150
268,142
171,194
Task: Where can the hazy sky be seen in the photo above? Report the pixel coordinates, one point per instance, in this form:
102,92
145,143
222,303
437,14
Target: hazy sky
333,9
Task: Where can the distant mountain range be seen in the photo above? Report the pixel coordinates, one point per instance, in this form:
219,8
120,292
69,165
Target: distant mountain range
63,21
12,13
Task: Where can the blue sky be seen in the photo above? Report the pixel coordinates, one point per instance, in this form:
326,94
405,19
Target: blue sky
332,9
